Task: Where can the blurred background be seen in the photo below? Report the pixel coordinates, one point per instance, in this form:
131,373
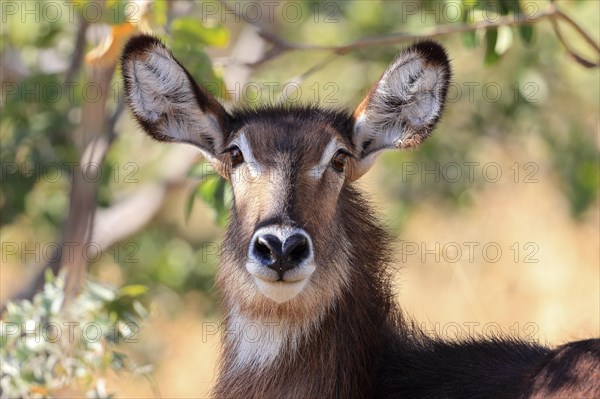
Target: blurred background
496,216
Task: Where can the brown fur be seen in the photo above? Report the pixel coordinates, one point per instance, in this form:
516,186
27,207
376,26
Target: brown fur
339,357
572,372
319,217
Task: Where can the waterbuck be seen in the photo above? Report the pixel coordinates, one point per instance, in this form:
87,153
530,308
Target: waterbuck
304,260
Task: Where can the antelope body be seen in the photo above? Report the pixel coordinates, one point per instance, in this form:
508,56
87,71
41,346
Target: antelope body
304,260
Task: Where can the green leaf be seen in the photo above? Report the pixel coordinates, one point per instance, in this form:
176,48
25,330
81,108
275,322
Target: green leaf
49,276
111,12
491,37
189,206
140,310
200,170
526,33
469,39
513,6
213,192
220,206
117,361
133,290
208,189
189,38
481,5
200,66
504,40
508,6
160,10
115,13
192,30
100,291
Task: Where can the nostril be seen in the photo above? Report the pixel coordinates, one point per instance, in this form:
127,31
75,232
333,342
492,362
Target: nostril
279,254
298,254
295,248
267,247
262,250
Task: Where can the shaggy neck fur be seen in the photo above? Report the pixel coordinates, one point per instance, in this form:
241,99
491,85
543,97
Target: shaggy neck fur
334,354
361,346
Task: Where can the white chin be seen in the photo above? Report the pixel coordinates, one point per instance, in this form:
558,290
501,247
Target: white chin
280,291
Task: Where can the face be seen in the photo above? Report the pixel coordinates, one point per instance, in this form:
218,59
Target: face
286,251
286,180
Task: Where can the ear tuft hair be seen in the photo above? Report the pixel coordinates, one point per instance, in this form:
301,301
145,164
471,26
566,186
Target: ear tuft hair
404,106
140,44
424,109
433,52
167,102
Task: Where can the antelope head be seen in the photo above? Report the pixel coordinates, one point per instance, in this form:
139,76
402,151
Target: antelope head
293,227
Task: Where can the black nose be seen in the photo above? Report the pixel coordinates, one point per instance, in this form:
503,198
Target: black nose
274,254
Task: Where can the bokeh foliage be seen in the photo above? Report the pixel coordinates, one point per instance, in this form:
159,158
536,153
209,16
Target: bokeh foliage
53,353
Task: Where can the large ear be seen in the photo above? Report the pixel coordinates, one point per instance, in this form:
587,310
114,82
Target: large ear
168,103
404,106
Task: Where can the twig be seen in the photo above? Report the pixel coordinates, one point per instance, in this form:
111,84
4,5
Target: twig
281,46
95,137
442,30
579,29
77,57
578,58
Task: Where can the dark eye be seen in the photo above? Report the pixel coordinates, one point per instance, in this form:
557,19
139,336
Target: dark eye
339,161
236,157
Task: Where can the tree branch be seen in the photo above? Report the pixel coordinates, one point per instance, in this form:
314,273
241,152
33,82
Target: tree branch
79,51
281,46
578,58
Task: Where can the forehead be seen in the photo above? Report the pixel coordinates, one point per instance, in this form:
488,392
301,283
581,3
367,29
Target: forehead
300,134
